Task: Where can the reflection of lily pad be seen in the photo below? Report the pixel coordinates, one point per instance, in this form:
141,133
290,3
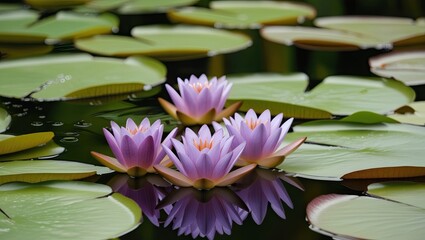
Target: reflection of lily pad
244,14
413,113
77,76
341,149
337,95
167,42
408,67
44,170
397,212
11,144
350,33
22,26
5,120
65,210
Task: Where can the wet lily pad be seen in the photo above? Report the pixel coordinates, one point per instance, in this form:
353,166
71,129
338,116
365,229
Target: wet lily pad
412,113
12,144
143,6
54,4
70,76
45,170
48,150
336,95
338,150
5,120
397,212
187,42
244,14
22,26
408,67
350,33
23,50
68,210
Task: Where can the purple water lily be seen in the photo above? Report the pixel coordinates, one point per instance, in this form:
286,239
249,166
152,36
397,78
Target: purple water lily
137,148
263,137
201,101
204,160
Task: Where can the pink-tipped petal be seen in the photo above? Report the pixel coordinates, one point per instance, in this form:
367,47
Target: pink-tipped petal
109,162
228,111
173,176
168,107
236,175
288,149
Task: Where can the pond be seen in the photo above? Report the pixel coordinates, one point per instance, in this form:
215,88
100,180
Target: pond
317,78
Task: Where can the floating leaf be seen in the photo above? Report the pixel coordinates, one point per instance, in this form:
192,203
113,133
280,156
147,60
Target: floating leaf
347,150
70,76
22,26
413,113
396,213
350,33
187,42
54,4
143,6
44,170
10,6
337,95
68,210
48,150
11,144
23,50
408,67
244,14
5,120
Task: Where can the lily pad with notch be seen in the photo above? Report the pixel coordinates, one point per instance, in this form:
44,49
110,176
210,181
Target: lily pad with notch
352,149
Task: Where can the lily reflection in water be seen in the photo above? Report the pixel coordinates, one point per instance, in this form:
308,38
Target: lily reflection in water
146,191
264,186
203,213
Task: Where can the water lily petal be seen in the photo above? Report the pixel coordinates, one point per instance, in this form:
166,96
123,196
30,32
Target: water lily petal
235,175
285,128
277,120
288,149
167,142
176,98
228,111
254,146
109,162
272,143
173,176
168,107
112,142
146,153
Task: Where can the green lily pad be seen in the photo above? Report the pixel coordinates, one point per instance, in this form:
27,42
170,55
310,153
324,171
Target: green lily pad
65,210
244,14
70,76
48,150
187,42
336,95
44,170
338,150
22,26
408,67
143,6
397,212
54,4
5,120
412,113
10,7
12,144
350,33
23,50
